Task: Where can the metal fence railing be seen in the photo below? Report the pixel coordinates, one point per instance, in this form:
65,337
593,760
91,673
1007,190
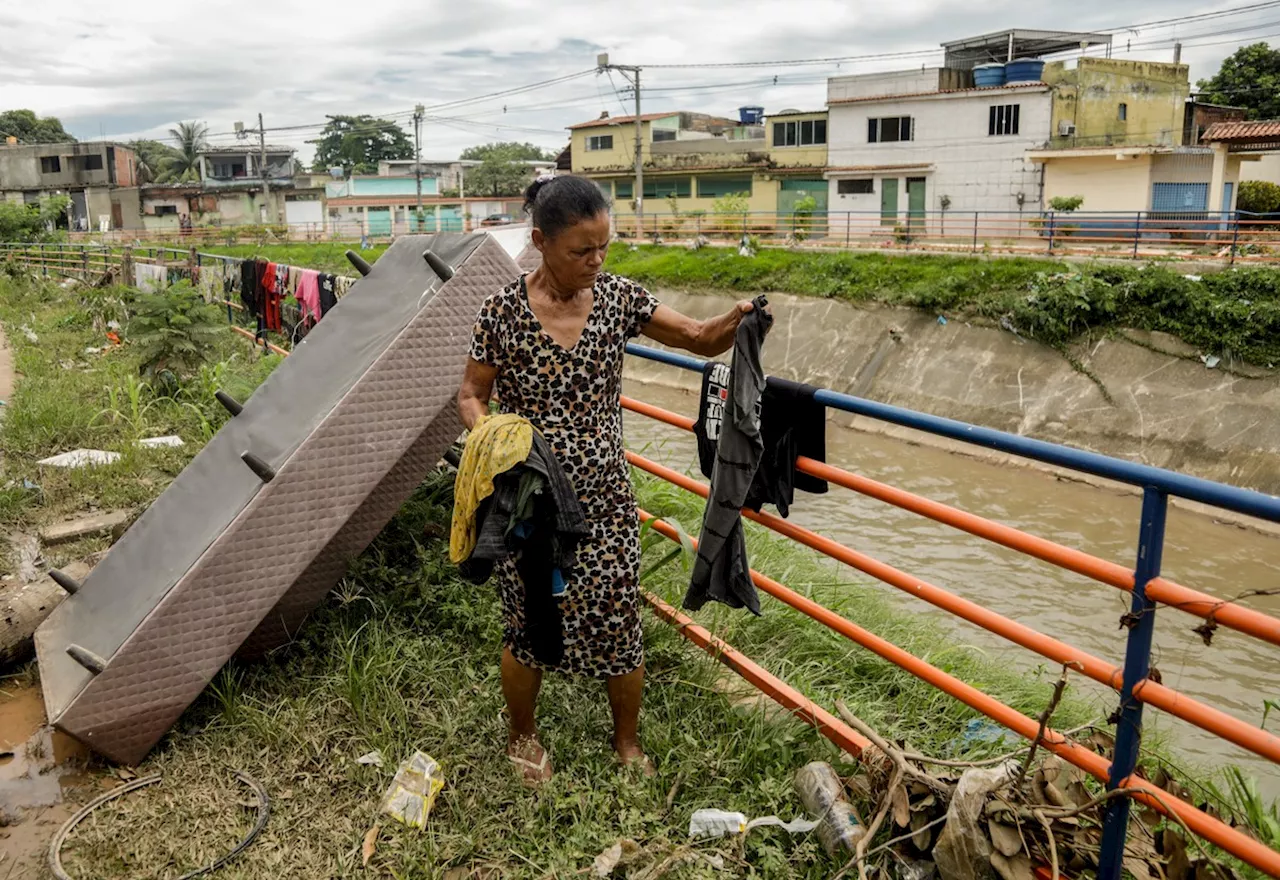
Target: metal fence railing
1145,584
1229,237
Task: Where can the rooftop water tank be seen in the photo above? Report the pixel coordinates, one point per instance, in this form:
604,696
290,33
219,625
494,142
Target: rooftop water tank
750,115
987,76
1024,70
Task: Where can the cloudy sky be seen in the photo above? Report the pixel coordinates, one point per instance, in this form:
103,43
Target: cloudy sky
129,68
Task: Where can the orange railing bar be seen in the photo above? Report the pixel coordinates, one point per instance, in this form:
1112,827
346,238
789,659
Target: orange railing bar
1245,620
1213,720
1243,847
271,345
764,681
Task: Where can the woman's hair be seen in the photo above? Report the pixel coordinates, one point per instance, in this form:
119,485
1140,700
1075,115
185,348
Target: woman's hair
556,203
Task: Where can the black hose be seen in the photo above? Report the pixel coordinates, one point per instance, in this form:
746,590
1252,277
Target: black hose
264,812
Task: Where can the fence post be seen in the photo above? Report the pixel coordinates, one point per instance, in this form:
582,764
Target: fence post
975,232
1141,622
1137,232
1235,238
848,227
126,265
1052,230
84,262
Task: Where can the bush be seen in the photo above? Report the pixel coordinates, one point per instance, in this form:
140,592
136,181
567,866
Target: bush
1259,197
37,222
1066,204
176,332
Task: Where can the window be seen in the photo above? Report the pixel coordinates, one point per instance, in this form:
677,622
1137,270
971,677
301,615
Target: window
889,129
624,189
663,134
605,187
1003,119
86,163
716,187
228,169
597,142
50,165
807,133
860,186
166,209
680,187
1124,112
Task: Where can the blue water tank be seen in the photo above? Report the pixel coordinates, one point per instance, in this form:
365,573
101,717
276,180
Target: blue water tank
750,115
988,76
1024,70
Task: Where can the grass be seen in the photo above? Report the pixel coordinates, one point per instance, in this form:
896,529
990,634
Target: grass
403,656
67,398
1235,313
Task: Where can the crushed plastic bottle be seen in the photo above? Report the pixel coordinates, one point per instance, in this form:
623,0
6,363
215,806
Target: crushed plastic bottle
822,793
723,823
413,792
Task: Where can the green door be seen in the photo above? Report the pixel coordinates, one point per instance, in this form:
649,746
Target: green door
888,201
791,195
379,220
915,202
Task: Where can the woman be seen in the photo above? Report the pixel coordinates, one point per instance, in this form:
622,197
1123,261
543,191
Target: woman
553,342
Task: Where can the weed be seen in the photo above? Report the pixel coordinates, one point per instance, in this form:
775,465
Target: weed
175,331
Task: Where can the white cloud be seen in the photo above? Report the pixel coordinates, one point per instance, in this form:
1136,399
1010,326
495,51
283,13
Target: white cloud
125,68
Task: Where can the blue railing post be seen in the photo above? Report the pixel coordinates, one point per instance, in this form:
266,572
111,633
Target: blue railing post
1141,622
1052,231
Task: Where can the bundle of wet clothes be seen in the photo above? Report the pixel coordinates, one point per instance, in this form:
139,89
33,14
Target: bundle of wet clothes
513,499
750,429
265,286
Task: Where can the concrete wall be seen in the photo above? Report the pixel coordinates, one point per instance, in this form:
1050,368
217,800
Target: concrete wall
1090,94
1169,411
897,82
20,166
1105,182
978,172
763,197
623,154
1267,168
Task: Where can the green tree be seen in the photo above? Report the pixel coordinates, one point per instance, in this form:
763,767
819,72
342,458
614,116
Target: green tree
19,222
175,332
154,160
1259,197
192,138
1250,78
357,143
29,128
503,169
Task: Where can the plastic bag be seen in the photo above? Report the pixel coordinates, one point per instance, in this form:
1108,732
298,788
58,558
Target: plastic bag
413,792
719,823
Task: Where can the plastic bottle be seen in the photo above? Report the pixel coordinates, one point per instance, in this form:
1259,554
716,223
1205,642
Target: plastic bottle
822,793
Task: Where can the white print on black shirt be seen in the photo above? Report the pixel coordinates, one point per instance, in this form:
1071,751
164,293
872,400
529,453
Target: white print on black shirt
717,394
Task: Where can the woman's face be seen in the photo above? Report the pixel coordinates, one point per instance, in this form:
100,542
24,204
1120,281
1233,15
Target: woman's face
574,256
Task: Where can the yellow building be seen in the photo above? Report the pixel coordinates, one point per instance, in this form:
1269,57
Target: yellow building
692,161
1103,102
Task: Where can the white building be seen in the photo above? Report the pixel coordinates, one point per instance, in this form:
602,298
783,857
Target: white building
919,142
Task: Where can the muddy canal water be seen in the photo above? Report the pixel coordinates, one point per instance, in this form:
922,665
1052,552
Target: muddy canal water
1236,674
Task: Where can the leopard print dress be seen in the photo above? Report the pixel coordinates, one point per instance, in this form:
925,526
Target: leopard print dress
572,397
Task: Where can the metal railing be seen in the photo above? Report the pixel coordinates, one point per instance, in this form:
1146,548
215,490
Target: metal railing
1229,237
1145,585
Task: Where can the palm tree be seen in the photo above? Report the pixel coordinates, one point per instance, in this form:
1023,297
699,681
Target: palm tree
154,159
192,139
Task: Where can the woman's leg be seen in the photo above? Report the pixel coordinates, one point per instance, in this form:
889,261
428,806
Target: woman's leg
625,692
520,685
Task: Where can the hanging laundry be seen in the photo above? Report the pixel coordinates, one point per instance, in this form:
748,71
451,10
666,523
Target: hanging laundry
307,293
342,284
792,423
721,571
328,299
149,277
249,275
271,286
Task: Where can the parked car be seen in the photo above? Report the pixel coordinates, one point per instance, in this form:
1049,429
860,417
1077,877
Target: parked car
497,220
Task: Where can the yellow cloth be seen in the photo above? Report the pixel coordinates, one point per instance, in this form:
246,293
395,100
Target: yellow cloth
495,445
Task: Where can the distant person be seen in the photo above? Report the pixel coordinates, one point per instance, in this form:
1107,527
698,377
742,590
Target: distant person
552,343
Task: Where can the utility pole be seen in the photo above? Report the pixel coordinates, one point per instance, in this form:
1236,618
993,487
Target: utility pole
633,73
262,143
417,152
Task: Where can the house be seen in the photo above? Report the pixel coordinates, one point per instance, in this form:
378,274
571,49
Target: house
907,143
692,161
1104,102
164,205
387,205
1256,144
101,180
233,166
451,173
1201,117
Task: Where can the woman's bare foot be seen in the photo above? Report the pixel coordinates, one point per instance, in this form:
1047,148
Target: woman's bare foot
630,754
530,759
